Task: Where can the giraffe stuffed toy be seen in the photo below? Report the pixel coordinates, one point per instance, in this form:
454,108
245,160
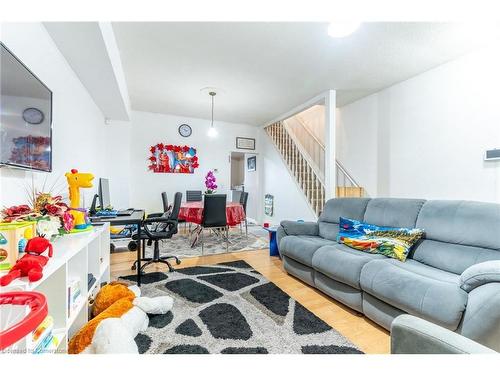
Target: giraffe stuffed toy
77,180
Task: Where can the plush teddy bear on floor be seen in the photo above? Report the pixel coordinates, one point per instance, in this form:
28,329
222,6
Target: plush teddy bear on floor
119,315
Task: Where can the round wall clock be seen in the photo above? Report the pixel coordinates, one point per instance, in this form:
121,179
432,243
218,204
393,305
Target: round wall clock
185,130
33,116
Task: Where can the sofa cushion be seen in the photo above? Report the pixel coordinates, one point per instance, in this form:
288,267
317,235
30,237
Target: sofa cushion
393,212
342,263
417,289
302,248
458,234
335,208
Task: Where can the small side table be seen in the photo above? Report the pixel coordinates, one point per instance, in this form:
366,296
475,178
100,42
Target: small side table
273,244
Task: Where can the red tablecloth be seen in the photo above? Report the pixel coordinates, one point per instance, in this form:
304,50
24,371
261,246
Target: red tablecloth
193,212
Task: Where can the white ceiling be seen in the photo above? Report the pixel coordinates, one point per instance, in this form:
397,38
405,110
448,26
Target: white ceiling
90,49
266,69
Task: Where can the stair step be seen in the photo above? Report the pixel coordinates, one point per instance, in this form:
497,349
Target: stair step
349,192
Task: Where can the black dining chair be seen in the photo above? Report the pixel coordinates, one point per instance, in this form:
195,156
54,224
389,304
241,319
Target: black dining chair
214,217
243,202
166,227
194,196
236,195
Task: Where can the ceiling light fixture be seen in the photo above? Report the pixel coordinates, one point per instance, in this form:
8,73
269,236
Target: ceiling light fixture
342,29
212,132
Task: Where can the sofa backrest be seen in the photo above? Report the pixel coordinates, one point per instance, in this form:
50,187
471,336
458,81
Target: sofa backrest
458,234
352,208
393,212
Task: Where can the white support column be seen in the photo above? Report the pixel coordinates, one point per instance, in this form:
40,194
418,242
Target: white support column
330,175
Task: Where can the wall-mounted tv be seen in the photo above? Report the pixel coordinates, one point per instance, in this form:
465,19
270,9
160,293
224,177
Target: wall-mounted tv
25,116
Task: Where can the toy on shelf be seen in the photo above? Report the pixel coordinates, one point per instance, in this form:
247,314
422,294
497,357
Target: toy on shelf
31,264
77,180
13,327
119,315
13,240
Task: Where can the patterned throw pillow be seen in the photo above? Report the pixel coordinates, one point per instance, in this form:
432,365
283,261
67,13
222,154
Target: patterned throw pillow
391,242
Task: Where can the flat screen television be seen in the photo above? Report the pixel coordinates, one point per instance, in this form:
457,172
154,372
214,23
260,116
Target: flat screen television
25,116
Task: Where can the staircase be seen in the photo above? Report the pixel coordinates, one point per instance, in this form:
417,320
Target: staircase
304,157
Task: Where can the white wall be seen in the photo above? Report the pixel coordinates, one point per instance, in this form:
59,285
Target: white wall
425,137
253,180
357,142
117,136
77,122
237,170
148,129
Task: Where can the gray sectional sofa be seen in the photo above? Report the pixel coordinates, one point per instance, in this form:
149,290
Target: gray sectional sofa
412,335
451,277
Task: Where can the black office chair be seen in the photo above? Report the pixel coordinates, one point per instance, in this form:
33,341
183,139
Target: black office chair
132,245
165,229
154,227
214,217
194,196
243,202
164,199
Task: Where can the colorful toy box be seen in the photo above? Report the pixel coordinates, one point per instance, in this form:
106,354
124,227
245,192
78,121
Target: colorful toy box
13,239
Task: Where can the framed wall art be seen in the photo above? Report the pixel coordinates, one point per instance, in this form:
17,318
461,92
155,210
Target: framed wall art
243,143
252,164
172,159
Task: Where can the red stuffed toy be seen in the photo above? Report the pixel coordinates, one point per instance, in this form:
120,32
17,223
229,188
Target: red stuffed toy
32,263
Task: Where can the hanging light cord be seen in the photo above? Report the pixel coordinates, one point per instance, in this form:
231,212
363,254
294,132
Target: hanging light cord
212,125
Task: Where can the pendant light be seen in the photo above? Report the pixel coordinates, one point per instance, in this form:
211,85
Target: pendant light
212,132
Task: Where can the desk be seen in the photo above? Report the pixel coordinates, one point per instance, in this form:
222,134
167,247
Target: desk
192,212
134,219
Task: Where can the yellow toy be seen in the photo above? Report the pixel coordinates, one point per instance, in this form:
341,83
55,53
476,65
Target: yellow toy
13,239
76,181
119,315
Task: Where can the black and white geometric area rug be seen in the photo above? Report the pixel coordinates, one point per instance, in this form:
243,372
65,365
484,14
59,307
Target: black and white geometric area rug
230,308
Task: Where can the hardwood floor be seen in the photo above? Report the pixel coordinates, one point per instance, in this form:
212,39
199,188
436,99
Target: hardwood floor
368,336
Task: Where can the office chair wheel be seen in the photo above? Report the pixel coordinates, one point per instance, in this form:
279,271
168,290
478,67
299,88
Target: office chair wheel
177,261
134,267
132,246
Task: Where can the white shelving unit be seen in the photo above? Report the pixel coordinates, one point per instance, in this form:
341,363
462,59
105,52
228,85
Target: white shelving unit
75,256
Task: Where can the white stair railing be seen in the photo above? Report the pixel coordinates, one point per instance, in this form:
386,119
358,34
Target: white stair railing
299,165
313,149
304,156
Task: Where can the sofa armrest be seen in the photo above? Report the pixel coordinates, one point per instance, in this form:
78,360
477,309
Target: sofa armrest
297,228
412,335
480,274
481,319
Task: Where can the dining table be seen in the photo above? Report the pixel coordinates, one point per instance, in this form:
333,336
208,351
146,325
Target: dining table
192,212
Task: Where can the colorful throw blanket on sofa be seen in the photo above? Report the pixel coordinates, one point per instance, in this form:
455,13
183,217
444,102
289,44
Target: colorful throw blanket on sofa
389,241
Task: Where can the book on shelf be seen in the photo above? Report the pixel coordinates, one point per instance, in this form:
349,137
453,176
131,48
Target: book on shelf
40,335
46,343
74,292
